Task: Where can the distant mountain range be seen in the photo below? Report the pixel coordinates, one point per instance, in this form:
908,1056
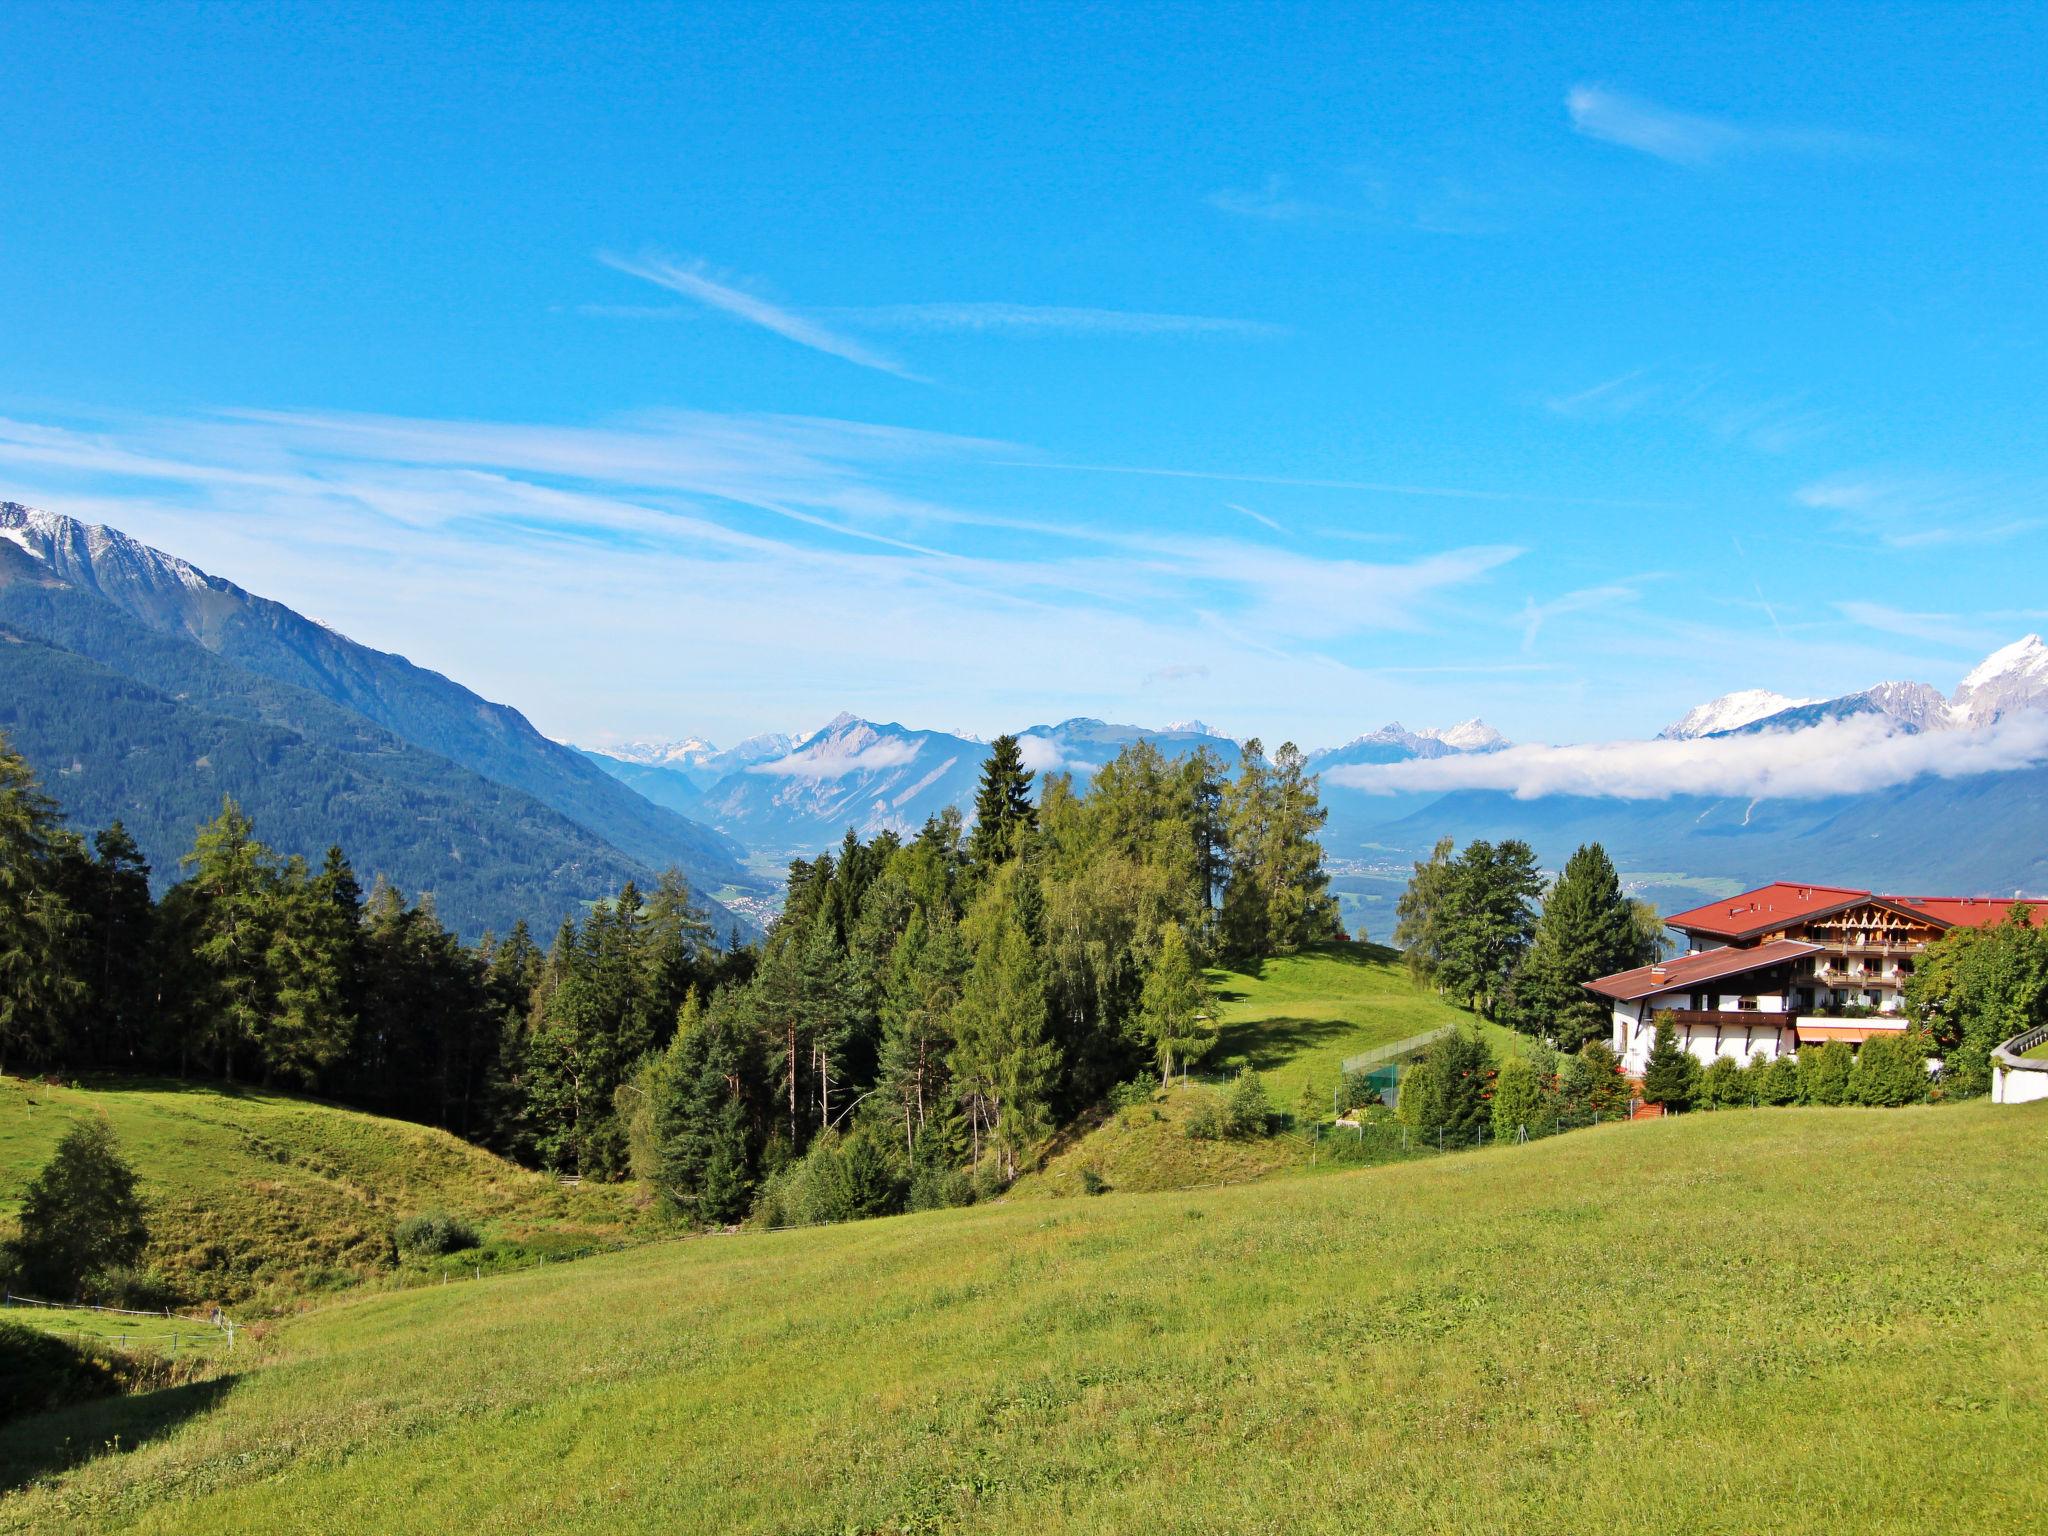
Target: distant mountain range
784,794
2010,679
143,688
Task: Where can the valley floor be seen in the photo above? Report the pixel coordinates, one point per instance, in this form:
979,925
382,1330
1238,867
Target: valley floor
1785,1320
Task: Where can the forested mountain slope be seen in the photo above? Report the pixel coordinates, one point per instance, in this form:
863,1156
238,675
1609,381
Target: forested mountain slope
114,747
41,553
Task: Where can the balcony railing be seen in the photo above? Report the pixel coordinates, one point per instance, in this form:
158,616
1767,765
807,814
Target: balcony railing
1729,1018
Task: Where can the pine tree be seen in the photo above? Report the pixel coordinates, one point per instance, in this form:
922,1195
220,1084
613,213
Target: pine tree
1004,1066
1672,1076
228,913
1245,924
1588,928
1002,805
37,986
1299,907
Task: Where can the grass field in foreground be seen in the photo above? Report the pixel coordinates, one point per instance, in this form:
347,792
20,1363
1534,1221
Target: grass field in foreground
260,1196
1785,1320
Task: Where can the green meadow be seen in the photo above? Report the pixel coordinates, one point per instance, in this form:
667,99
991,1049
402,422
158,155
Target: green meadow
258,1198
1791,1320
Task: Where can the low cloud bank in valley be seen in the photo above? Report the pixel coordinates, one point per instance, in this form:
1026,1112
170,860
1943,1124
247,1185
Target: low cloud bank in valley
1837,757
835,762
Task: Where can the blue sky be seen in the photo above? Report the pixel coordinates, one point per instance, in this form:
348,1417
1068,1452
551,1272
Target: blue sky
708,371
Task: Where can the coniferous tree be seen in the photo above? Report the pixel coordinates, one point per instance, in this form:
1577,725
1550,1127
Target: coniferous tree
1004,1067
1245,924
1002,805
1488,921
1422,915
1299,907
226,918
113,945
1672,1075
1588,928
1174,1008
37,987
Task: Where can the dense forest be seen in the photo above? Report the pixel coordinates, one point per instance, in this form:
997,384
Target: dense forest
925,1011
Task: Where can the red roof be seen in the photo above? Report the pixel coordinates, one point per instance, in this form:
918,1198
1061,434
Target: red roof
1767,907
1972,911
1690,970
1782,904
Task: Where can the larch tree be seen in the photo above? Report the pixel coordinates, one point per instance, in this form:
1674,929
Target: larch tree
1173,1010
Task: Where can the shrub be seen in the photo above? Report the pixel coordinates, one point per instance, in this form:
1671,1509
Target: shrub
1516,1097
1206,1120
1891,1070
938,1189
1138,1090
1725,1084
431,1234
80,1216
841,1178
1246,1109
1776,1081
1824,1073
1093,1183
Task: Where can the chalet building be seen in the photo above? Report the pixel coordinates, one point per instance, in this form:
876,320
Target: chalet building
1784,966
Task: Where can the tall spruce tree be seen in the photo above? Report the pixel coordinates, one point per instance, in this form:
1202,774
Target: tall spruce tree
37,987
1004,1066
1588,929
1002,805
1173,1011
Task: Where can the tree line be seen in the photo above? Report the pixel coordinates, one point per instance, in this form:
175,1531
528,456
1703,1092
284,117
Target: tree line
923,1013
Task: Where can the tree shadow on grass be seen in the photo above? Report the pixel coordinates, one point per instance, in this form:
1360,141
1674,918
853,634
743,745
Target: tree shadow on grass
43,1445
1268,1043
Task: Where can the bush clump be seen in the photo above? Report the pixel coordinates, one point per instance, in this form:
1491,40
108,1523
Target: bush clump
433,1233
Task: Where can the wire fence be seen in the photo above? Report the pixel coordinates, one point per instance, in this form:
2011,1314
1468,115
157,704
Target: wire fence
1381,1054
1394,1140
216,1331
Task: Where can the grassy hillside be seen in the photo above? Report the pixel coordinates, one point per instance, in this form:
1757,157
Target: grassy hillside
1295,1021
257,1196
1786,1320
1298,1017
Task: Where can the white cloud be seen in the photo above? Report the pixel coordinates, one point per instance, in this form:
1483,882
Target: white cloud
787,323
1688,138
713,574
1047,318
1040,754
1257,517
1839,757
1919,511
833,761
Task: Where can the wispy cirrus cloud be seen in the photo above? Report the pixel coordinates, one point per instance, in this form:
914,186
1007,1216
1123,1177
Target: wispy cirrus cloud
1585,600
790,324
1692,138
1047,319
1925,511
824,328
721,570
1858,755
1705,398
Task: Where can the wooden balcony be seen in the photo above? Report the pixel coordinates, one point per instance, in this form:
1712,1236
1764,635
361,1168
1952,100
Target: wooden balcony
1727,1018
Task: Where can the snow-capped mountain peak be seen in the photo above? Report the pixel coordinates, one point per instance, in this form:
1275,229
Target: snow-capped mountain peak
2012,677
1730,712
1473,735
